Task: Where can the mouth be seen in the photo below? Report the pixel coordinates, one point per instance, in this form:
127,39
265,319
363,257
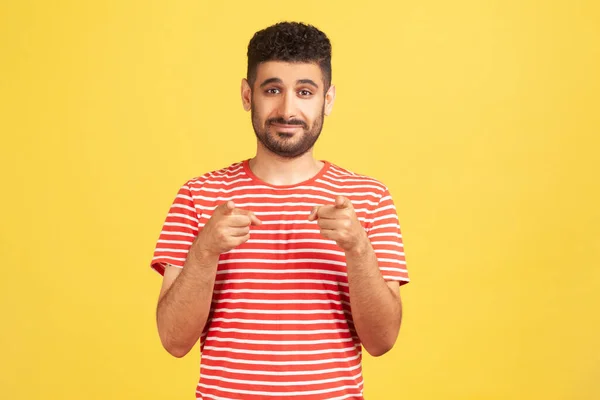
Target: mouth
286,127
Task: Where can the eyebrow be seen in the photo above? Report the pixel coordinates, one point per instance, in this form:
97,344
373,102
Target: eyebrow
307,82
299,81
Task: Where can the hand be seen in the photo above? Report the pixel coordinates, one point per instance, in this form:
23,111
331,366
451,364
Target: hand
227,228
339,222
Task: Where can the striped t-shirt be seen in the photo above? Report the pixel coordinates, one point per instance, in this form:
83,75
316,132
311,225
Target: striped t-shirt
280,325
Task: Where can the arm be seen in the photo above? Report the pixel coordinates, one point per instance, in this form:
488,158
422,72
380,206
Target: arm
186,293
376,305
184,302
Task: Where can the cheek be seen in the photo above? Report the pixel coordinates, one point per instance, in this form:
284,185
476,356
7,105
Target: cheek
264,110
313,109
311,114
258,114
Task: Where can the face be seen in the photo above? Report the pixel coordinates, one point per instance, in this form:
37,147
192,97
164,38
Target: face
288,105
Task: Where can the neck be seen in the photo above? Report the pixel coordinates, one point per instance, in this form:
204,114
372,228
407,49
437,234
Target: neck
281,171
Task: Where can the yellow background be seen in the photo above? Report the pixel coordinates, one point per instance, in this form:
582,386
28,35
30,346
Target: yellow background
481,116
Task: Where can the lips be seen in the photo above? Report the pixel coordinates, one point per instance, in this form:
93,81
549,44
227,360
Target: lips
280,123
286,127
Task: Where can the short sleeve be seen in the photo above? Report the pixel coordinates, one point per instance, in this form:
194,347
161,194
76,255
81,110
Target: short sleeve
386,239
178,232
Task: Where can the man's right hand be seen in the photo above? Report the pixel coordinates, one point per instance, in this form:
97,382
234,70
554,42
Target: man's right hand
227,228
186,293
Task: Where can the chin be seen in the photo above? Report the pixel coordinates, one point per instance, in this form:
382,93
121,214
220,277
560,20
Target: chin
285,135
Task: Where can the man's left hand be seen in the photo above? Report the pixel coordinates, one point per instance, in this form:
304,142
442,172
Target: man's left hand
339,222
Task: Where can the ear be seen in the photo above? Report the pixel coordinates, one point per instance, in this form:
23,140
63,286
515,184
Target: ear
246,94
329,99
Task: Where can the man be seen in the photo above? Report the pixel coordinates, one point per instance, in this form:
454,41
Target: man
282,265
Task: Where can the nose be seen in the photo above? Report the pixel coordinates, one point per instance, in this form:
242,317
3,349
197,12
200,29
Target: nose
287,106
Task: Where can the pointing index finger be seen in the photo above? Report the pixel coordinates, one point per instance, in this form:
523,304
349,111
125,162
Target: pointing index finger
254,220
313,213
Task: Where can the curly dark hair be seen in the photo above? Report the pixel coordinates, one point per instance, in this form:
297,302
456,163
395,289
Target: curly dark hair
290,42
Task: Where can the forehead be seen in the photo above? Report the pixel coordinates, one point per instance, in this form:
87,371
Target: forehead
288,72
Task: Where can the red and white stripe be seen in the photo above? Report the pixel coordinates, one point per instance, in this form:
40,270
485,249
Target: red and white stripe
280,323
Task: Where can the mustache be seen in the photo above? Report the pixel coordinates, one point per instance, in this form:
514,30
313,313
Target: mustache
282,121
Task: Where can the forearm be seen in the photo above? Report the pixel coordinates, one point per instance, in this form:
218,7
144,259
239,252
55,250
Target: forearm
183,310
376,310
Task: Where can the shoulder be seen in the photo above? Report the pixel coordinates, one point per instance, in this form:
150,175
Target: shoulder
351,179
222,176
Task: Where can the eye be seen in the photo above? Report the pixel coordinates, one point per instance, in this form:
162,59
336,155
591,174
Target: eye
305,92
272,91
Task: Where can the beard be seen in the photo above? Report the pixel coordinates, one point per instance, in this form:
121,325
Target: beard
283,144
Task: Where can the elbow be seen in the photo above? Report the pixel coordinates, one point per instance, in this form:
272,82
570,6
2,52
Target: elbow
382,345
177,351
379,349
175,348
176,342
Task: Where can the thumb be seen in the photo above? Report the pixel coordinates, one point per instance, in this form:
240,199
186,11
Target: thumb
314,213
342,202
228,207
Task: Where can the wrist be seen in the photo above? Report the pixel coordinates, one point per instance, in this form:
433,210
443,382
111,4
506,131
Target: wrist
203,257
361,248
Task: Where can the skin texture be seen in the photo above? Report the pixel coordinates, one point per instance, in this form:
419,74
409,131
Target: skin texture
186,294
376,305
288,103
